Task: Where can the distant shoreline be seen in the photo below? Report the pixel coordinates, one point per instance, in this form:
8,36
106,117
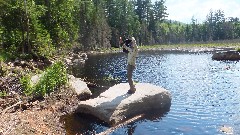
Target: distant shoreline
194,47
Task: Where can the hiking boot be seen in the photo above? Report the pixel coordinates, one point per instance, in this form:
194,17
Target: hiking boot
131,91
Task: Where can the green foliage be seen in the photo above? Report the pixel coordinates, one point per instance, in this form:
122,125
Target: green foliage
33,26
52,78
44,27
59,21
21,28
4,56
3,94
238,49
3,70
26,83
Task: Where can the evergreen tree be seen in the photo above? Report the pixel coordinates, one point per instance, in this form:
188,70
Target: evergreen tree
21,29
59,21
40,27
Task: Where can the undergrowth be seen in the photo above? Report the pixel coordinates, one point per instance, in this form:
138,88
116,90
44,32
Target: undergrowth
3,94
238,49
4,56
50,80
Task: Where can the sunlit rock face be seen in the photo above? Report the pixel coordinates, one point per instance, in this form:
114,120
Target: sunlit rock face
80,87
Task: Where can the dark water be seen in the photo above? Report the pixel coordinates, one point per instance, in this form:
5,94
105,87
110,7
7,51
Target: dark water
205,93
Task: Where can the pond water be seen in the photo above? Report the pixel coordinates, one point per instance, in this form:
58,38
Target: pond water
205,93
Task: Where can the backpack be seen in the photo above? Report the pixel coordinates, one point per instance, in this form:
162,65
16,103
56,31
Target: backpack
127,43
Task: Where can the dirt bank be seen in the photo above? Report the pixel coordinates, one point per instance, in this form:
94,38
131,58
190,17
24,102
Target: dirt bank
38,117
20,114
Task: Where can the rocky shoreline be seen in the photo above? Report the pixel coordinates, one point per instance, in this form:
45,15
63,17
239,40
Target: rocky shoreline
22,115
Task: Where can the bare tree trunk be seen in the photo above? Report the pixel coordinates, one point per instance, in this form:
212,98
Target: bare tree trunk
23,37
27,44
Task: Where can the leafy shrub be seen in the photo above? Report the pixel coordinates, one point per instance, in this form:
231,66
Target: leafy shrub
53,77
3,94
238,49
4,56
26,83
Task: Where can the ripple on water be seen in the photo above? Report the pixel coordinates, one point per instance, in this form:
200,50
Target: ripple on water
205,93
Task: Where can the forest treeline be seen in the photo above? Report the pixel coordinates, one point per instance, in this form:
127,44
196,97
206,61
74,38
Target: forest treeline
44,26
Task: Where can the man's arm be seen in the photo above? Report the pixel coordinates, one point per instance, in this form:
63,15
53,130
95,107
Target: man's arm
128,48
122,44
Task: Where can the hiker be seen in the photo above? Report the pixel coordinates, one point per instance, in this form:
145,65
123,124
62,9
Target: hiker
130,47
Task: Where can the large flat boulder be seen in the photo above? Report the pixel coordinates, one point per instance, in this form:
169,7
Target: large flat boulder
115,105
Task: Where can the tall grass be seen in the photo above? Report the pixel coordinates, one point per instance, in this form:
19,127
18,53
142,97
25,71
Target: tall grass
190,45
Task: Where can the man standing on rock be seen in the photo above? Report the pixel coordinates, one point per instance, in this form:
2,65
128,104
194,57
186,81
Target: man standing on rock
132,50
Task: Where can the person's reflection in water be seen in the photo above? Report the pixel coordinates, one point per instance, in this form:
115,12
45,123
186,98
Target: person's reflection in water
131,128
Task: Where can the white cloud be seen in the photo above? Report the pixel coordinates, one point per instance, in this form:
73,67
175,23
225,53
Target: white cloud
184,10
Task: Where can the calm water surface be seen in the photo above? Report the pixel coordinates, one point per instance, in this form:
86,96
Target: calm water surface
205,93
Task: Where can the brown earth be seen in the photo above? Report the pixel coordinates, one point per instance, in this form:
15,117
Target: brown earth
20,114
36,117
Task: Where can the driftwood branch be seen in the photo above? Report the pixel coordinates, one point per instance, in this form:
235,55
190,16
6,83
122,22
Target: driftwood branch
110,130
5,110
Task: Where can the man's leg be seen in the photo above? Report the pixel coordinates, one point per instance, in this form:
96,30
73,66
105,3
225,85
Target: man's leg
130,69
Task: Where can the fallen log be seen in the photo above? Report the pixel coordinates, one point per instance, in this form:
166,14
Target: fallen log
110,130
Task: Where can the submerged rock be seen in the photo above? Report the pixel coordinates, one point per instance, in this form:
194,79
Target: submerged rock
115,105
226,55
76,60
226,129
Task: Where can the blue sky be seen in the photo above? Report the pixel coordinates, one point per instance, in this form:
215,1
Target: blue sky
184,10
